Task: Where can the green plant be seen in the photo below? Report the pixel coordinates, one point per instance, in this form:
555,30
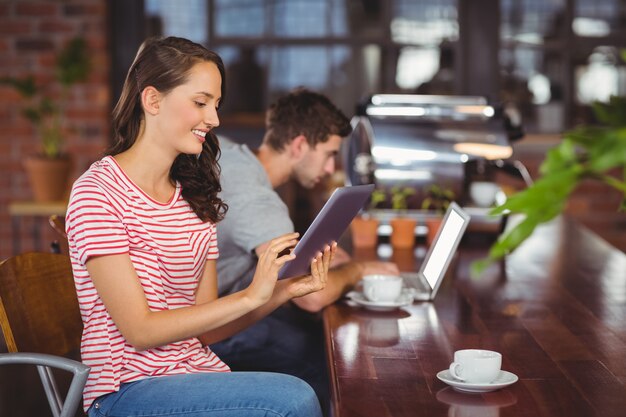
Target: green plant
587,153
399,197
437,198
377,198
72,66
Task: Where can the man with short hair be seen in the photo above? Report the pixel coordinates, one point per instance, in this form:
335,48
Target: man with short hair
303,135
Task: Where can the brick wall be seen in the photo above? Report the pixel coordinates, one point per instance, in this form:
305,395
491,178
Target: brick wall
31,33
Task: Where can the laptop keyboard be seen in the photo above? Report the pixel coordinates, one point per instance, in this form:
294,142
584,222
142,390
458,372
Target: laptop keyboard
413,280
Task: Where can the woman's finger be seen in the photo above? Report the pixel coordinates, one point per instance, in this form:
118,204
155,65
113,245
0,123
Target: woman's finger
282,239
322,271
315,265
329,254
277,246
284,259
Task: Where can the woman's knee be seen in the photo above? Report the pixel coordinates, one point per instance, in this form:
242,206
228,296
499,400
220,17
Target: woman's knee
298,398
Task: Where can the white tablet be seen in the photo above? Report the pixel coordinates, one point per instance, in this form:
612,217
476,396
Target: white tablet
329,224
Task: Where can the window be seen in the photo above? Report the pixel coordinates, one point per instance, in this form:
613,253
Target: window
169,18
553,66
551,52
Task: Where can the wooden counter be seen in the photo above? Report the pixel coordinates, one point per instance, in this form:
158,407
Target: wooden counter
555,310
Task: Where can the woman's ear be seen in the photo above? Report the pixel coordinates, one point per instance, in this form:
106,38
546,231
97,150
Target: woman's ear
151,100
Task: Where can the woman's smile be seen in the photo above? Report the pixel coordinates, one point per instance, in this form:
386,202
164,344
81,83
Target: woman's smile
200,134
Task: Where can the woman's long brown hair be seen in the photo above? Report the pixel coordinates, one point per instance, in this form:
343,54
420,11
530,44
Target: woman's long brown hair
164,63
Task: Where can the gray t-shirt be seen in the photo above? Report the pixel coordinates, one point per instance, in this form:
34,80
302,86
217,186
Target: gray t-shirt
256,214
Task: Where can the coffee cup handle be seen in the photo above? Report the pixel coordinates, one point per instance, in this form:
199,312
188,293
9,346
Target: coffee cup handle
454,370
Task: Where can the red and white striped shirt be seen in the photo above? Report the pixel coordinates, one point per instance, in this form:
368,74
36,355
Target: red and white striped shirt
168,245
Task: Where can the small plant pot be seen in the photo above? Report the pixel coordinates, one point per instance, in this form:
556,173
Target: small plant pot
364,232
403,232
432,224
48,177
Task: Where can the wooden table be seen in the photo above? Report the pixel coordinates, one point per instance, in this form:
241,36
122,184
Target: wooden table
556,310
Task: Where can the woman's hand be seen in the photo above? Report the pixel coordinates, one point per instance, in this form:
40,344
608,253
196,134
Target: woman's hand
341,257
270,261
307,284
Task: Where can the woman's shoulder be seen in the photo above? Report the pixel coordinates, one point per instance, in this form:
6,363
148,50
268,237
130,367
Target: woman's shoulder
101,177
97,192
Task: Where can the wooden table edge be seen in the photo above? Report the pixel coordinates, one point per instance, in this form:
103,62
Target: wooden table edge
330,359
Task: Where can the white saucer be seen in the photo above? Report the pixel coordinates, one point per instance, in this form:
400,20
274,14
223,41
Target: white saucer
503,380
405,299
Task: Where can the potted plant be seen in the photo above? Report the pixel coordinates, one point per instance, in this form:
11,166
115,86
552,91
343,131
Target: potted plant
402,226
437,200
596,153
44,107
364,227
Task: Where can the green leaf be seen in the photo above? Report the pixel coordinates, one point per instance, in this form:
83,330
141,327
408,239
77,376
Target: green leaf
32,114
47,107
614,182
559,157
438,198
73,63
546,192
399,197
588,152
378,197
25,86
623,205
610,151
612,113
479,266
513,238
51,141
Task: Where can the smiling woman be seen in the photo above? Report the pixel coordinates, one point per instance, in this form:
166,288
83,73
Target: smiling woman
142,240
188,111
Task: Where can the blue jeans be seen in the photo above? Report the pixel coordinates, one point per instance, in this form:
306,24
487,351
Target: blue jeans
288,341
230,394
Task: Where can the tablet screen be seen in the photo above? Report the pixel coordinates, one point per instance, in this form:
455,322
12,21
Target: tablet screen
328,226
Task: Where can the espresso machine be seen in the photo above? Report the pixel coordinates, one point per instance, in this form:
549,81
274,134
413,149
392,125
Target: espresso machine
420,140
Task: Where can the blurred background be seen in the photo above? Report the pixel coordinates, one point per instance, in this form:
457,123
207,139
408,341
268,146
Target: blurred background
550,58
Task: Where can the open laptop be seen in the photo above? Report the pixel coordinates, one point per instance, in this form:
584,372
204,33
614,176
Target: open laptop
329,224
426,282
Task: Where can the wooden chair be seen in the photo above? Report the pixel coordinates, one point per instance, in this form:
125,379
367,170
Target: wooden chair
58,224
41,322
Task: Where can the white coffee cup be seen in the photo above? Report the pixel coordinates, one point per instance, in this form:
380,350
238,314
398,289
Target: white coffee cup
476,365
483,193
382,288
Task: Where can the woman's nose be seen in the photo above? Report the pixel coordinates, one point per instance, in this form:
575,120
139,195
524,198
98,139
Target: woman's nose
212,119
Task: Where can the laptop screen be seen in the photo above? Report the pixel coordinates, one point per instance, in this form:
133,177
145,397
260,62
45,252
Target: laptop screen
444,247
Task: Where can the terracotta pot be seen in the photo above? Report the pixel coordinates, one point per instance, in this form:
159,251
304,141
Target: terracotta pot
403,232
364,232
48,177
432,224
